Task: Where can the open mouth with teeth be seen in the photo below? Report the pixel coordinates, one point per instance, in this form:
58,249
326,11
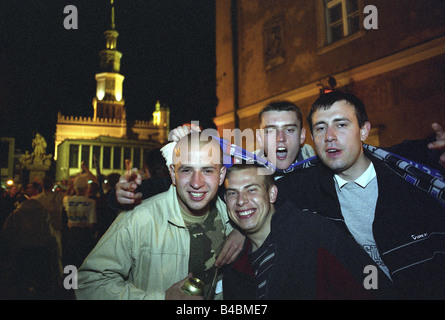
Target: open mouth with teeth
281,153
197,196
245,214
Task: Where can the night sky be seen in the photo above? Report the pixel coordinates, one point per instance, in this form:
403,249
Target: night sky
168,55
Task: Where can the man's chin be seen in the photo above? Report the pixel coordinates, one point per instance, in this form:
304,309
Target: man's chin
283,164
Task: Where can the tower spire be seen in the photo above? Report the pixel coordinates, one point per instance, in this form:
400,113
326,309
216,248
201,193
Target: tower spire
110,57
113,25
109,101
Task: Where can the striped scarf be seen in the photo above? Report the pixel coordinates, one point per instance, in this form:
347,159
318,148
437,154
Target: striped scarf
426,179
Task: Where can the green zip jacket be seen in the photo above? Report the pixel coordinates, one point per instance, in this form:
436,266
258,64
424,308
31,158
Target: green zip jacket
143,253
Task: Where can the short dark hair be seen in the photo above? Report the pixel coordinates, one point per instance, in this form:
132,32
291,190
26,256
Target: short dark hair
282,106
326,101
267,178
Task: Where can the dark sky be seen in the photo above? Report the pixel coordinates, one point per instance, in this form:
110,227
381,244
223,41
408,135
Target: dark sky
168,54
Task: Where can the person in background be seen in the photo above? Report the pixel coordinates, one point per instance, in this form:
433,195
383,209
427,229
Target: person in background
6,206
29,243
81,215
14,196
53,203
32,189
155,164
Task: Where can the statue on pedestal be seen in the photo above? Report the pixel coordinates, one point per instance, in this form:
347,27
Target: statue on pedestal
39,145
38,162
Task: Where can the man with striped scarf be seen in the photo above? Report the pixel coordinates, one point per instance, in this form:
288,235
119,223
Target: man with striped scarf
394,213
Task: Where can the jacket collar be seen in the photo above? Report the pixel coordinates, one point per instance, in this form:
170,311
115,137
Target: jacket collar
362,181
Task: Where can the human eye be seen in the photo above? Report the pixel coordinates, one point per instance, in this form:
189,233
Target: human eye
208,170
319,128
230,193
342,124
291,129
185,170
269,130
252,189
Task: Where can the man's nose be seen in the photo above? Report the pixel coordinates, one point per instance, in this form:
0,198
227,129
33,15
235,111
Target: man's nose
197,180
330,134
242,199
280,135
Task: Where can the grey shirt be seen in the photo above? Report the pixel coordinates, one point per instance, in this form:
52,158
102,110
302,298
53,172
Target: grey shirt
358,201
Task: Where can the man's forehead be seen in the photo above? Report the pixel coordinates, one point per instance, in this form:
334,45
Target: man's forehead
279,118
340,108
197,153
189,163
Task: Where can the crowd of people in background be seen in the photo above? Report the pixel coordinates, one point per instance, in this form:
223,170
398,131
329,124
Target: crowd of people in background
46,226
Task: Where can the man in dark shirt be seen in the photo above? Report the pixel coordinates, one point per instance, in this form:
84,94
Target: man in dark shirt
401,226
289,253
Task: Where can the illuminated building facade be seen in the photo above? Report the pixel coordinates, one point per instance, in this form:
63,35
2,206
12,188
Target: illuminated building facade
107,134
391,55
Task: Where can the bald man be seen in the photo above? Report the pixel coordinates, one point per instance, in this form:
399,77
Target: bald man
150,251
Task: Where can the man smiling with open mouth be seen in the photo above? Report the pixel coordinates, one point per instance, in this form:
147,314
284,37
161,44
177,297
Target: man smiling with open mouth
197,177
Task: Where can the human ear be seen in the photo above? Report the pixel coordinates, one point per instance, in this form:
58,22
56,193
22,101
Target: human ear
273,193
302,136
171,170
365,130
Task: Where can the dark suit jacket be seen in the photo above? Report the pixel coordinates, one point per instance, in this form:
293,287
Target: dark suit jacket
409,225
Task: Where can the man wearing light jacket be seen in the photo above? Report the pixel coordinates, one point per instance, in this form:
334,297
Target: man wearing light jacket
149,252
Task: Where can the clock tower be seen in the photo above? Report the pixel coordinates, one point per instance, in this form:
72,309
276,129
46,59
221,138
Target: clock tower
109,102
106,140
